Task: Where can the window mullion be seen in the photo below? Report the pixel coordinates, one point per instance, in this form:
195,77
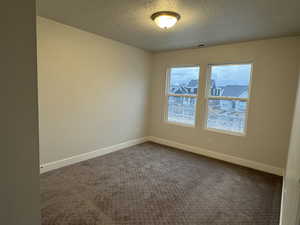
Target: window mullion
179,95
228,98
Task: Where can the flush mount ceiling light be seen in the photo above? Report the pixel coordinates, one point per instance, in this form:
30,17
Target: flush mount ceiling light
165,19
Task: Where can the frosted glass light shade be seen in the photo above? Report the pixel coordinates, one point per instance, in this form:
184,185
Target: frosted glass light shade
165,21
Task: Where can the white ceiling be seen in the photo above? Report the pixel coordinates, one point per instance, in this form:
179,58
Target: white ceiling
202,21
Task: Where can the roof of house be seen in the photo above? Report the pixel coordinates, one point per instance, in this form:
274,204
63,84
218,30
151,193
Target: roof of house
185,90
193,83
181,90
229,90
213,84
234,90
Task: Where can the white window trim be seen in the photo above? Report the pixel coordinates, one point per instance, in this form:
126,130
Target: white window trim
167,94
208,97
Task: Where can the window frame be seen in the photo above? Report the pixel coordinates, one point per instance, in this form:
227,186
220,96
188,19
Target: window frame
208,97
167,94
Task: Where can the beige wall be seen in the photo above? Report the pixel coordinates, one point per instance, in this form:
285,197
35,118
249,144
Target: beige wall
291,197
92,91
19,160
275,72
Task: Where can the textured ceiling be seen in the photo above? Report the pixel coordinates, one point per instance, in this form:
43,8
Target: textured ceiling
202,21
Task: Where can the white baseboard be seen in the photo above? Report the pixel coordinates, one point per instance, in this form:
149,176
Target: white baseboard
216,155
89,155
283,201
212,154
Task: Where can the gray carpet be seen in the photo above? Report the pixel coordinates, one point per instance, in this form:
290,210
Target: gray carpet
151,184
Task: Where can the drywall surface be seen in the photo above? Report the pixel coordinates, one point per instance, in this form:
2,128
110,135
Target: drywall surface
275,72
203,21
93,92
291,197
19,161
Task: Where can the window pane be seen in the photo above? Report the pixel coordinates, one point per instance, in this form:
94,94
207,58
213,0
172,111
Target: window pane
230,80
181,109
184,80
227,115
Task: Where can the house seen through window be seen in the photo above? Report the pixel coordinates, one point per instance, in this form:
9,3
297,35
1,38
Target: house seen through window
227,97
182,90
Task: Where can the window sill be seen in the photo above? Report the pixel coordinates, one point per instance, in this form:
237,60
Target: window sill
180,124
243,134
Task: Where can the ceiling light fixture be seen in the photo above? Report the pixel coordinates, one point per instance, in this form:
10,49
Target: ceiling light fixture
165,19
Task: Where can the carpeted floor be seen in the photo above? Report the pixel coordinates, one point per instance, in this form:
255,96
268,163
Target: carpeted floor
150,184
